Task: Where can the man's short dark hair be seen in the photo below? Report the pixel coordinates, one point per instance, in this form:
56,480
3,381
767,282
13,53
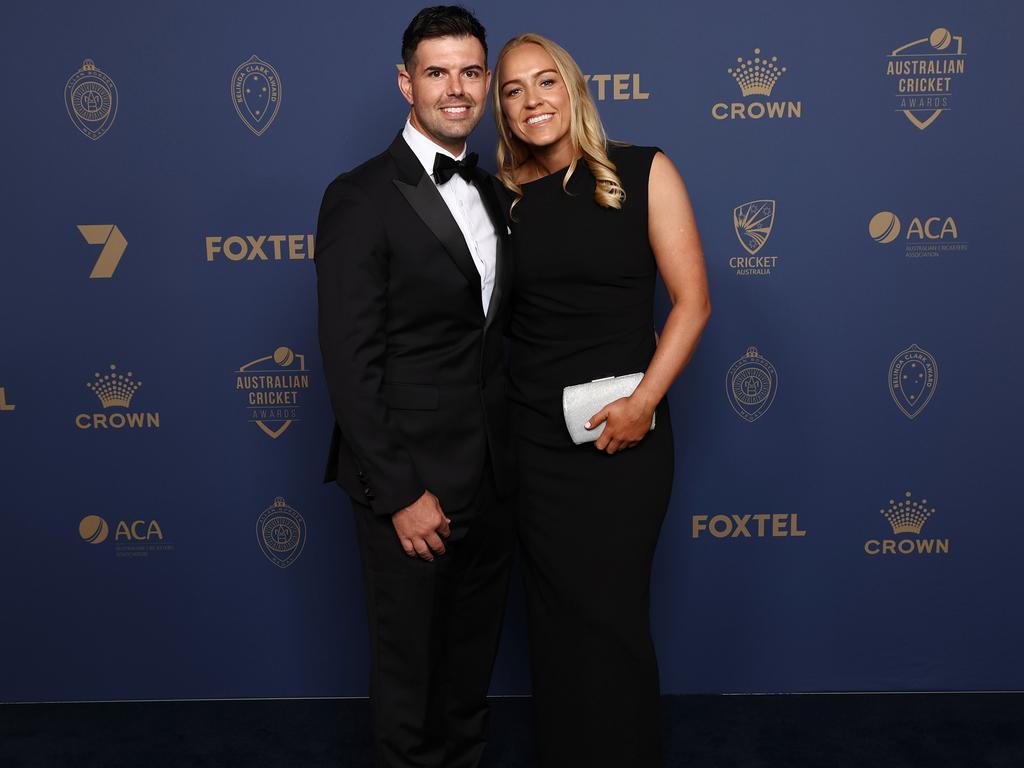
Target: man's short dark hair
441,21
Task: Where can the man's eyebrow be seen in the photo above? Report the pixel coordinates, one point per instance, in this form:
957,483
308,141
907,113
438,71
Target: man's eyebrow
437,68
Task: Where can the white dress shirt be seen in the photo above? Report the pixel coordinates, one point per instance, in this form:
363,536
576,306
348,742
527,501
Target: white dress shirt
463,200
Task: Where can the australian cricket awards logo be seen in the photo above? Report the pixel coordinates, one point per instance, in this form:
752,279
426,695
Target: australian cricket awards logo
274,386
115,391
751,384
922,74
906,518
913,377
756,77
281,532
91,100
256,93
753,223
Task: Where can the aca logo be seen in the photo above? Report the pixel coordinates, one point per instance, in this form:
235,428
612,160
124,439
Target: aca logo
753,224
621,87
115,391
907,517
281,532
90,98
114,245
751,384
913,378
923,236
759,526
922,74
259,247
256,93
132,538
756,78
93,529
273,386
4,405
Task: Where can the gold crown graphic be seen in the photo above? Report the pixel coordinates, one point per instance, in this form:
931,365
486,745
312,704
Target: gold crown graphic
88,65
114,388
907,516
757,75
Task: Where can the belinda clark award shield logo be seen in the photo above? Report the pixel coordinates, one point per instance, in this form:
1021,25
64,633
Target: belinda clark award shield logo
913,377
256,93
90,97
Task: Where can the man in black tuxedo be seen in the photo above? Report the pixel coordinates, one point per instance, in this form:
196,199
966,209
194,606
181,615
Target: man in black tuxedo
411,275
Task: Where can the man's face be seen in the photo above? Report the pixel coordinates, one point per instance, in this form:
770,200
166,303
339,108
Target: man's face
447,89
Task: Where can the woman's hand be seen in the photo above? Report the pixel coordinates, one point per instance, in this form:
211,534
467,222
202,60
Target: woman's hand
626,422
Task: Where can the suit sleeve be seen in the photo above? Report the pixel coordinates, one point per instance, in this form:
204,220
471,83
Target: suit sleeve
352,281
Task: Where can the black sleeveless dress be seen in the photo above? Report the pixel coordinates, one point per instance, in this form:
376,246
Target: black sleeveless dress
583,309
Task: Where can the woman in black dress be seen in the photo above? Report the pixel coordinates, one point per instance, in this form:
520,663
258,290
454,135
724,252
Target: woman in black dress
594,223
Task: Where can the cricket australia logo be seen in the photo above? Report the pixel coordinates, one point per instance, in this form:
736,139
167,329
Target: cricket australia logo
753,224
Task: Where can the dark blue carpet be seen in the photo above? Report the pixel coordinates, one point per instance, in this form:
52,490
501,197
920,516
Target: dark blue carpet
795,731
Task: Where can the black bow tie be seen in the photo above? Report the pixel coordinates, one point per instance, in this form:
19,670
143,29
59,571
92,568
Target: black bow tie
446,167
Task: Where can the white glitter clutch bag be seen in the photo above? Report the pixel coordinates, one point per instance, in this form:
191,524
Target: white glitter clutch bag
581,401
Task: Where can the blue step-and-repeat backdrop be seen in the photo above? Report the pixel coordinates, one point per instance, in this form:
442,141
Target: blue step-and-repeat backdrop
847,505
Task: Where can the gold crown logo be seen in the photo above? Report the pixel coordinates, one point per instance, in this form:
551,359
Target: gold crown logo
114,388
88,65
907,516
757,75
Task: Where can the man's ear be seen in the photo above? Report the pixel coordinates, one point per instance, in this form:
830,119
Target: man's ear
405,84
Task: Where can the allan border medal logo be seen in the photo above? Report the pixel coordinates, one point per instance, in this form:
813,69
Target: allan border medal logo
256,93
913,377
273,385
751,384
91,100
922,72
281,532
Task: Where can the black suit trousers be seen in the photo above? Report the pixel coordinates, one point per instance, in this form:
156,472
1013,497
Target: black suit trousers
434,632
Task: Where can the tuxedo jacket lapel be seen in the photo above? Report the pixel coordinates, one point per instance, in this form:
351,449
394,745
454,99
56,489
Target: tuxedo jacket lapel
418,188
497,213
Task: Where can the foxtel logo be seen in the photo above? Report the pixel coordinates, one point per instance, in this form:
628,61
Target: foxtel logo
758,526
260,247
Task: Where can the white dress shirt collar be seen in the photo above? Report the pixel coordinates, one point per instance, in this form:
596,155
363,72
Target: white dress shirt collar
424,148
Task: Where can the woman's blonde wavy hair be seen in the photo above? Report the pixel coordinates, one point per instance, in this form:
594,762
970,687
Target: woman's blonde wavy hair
589,141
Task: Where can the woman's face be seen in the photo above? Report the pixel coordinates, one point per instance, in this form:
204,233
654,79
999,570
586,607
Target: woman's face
534,98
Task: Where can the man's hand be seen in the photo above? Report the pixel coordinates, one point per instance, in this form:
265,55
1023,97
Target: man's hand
420,527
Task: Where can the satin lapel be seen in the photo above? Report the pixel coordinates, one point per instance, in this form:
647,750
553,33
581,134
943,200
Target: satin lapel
493,205
431,208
